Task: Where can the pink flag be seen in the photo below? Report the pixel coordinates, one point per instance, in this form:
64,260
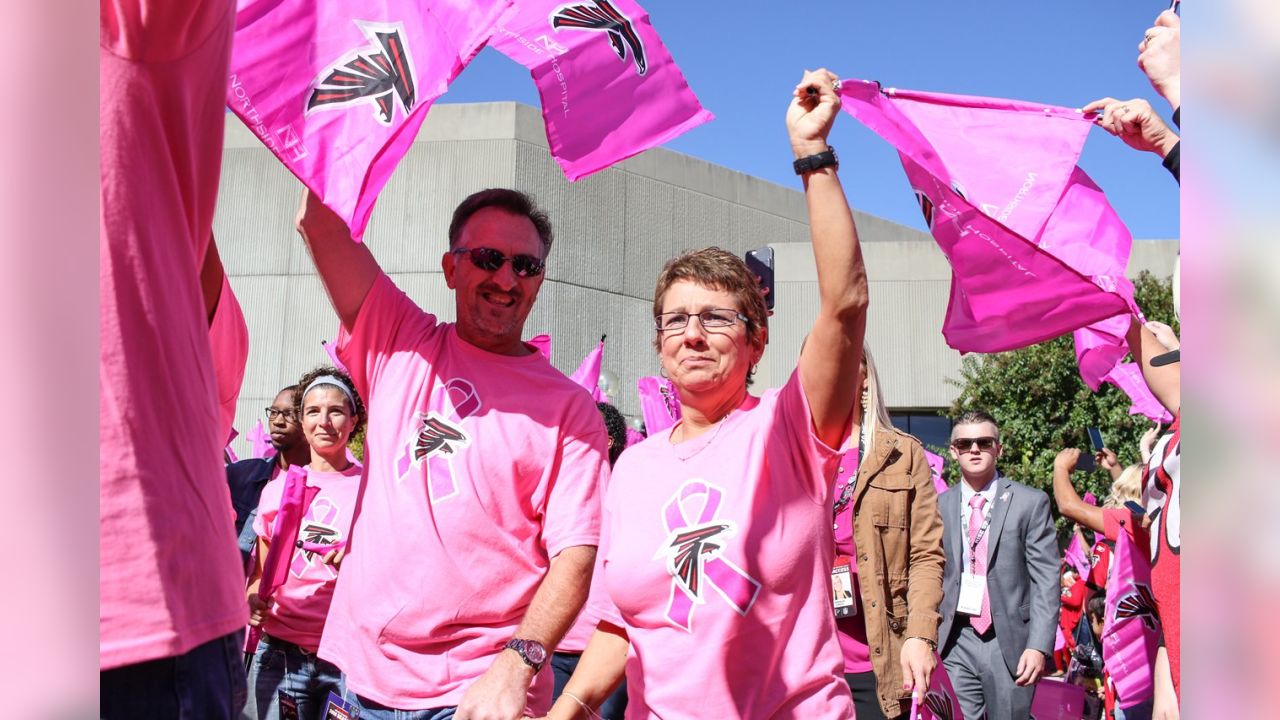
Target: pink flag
1090,499
1100,350
659,403
936,463
331,349
609,87
633,437
542,343
1077,557
1035,249
1131,626
588,373
1059,640
260,442
337,91
231,453
1057,700
295,498
940,701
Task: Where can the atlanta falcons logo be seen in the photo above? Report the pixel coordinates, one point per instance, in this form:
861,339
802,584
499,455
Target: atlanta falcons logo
1141,603
437,435
926,207
940,705
602,16
688,550
378,73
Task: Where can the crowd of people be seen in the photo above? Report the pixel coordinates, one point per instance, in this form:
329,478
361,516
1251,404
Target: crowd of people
498,551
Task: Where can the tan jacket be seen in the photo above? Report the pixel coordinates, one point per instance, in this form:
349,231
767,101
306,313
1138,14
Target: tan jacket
898,533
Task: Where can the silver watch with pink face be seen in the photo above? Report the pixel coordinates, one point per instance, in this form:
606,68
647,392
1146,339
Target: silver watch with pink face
531,652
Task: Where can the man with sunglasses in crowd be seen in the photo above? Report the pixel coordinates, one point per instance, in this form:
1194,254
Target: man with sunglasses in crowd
1000,587
479,515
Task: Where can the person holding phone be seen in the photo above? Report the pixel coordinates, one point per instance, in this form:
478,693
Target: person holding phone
286,678
1130,520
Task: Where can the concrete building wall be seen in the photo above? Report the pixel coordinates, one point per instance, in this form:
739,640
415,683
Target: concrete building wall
614,230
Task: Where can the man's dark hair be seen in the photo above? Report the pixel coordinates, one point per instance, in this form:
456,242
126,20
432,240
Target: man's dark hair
512,201
616,425
975,417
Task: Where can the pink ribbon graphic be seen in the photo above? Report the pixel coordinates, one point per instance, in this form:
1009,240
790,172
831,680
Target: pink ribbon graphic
320,516
692,555
456,399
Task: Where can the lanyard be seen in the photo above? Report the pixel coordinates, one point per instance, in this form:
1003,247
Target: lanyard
847,493
973,544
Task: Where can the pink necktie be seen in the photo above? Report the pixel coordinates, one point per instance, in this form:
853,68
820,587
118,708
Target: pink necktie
978,562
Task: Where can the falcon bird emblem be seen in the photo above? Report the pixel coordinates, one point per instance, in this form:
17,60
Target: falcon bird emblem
688,549
602,16
379,73
1141,603
436,435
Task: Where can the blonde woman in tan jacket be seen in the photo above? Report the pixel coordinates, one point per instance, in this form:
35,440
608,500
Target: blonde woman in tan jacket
889,539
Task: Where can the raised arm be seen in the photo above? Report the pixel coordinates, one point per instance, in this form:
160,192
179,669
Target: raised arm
1165,381
347,268
1069,502
833,351
501,691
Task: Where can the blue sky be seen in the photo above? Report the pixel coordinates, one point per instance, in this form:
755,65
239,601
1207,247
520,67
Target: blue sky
742,59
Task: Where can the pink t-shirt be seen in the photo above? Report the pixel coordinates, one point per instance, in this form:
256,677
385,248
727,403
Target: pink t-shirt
717,558
229,342
302,603
851,631
170,575
579,634
480,468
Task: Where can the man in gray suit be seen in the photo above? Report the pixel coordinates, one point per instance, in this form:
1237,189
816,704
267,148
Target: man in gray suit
1000,587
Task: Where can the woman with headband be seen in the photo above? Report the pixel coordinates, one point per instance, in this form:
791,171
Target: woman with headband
286,678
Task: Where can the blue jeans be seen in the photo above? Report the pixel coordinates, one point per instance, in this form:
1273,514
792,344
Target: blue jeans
281,665
370,710
563,665
205,682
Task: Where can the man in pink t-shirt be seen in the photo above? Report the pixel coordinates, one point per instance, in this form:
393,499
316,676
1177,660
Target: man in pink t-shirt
479,515
171,585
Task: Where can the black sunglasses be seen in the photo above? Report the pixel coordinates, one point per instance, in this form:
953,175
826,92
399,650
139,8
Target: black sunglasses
491,260
964,444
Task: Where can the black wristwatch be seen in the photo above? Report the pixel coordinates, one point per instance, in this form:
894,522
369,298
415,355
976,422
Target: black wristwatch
809,163
530,651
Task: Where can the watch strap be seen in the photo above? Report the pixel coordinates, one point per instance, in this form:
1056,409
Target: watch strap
817,161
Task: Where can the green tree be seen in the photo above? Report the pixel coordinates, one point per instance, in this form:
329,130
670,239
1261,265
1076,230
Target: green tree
1042,405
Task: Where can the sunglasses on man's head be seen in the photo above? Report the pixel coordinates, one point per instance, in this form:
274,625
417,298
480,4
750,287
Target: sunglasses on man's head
491,260
964,444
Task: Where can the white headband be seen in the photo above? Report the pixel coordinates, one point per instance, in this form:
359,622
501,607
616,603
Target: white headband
335,382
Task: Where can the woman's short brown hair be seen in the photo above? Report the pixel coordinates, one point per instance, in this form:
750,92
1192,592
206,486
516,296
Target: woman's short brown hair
719,270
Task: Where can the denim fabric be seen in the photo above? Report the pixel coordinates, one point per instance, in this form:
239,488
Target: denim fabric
281,665
563,665
205,683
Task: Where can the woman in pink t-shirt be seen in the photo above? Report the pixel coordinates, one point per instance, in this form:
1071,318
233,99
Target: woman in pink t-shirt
715,543
286,677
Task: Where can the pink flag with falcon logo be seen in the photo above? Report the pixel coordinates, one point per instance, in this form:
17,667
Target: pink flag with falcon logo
609,88
338,91
1035,249
1131,625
